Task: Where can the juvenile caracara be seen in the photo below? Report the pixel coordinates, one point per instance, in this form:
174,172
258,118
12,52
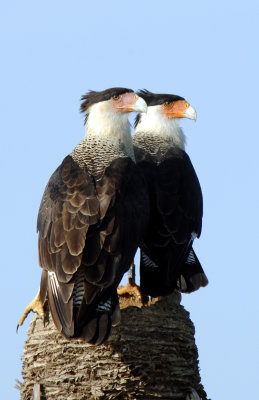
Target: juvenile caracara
92,215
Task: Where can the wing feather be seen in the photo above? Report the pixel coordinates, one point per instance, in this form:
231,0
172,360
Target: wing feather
175,213
90,225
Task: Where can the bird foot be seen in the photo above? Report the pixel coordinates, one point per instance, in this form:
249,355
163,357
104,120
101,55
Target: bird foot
35,306
132,290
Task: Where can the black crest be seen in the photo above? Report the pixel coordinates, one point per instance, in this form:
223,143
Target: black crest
93,97
155,99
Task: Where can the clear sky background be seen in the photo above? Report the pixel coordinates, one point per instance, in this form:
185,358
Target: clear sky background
52,52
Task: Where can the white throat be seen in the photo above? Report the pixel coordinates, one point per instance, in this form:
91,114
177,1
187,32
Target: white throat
155,123
106,124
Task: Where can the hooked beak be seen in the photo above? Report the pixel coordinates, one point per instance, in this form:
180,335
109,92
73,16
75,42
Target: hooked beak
129,102
190,113
179,109
140,105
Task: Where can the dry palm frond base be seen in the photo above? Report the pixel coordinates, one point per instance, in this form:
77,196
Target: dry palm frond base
150,355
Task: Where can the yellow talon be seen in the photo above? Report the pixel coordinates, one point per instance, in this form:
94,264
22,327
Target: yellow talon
129,289
35,306
132,290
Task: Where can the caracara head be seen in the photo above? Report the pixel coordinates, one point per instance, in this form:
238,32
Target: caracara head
169,106
112,102
163,116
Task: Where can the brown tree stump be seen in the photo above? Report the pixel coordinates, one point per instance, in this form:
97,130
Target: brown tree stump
150,355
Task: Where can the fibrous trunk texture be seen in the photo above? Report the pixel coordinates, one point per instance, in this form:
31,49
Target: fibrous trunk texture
150,355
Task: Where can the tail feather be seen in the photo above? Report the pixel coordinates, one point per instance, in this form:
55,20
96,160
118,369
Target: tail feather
178,268
192,276
97,327
97,330
62,312
89,330
116,315
80,314
104,328
154,280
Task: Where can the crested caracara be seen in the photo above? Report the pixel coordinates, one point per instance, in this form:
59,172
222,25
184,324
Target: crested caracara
167,259
92,214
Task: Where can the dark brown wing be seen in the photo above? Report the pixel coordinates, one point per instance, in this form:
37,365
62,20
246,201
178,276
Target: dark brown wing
175,214
128,211
84,243
68,208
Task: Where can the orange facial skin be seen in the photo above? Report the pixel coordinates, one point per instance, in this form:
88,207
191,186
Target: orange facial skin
175,109
124,102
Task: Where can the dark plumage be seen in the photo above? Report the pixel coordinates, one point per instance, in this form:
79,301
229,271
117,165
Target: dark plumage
92,215
154,99
168,260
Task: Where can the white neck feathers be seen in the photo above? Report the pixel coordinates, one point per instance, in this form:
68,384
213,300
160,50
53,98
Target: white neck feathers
157,124
106,124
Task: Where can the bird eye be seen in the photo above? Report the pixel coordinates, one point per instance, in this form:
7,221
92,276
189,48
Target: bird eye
116,97
167,103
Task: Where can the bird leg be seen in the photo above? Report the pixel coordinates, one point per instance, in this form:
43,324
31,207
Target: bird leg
36,306
132,289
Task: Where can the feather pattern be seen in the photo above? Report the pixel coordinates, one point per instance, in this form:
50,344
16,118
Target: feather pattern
89,229
92,215
175,214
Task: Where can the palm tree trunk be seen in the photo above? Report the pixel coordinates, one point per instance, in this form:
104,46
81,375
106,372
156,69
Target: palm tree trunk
150,355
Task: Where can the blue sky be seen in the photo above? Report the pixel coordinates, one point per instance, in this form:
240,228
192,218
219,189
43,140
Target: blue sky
51,54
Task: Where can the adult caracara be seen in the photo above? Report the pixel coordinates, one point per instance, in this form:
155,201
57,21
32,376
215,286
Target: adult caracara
167,258
92,215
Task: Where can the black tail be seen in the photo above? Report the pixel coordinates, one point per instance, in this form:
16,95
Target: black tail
93,324
154,279
162,274
192,276
75,314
